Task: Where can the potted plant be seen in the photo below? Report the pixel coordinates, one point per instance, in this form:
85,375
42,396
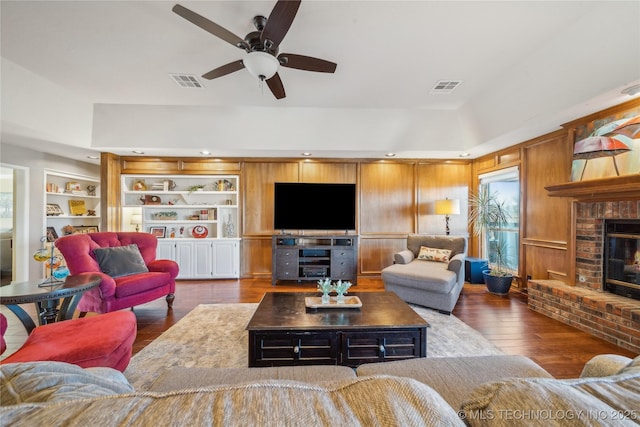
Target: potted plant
488,212
197,187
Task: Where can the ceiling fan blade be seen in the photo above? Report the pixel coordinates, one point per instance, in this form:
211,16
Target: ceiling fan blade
224,70
275,84
279,21
210,26
306,63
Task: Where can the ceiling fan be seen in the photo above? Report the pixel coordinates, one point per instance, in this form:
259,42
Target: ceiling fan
261,46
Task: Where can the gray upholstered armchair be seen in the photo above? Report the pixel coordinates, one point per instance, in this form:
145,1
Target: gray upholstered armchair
433,278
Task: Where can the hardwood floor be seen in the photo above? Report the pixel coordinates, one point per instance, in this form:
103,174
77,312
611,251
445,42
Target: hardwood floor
506,321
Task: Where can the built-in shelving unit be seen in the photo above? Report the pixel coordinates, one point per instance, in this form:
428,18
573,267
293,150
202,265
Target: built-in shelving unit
71,200
195,218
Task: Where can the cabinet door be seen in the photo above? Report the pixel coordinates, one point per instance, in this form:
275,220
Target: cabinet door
202,262
226,259
184,256
165,250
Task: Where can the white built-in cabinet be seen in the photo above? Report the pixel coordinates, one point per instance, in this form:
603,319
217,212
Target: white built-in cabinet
195,218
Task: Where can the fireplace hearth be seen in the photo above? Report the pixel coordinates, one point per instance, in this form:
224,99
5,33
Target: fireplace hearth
621,258
580,299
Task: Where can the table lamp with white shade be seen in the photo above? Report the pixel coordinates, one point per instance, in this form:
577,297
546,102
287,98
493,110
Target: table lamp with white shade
136,219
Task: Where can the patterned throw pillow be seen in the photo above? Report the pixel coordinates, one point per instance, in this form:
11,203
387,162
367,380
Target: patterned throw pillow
434,254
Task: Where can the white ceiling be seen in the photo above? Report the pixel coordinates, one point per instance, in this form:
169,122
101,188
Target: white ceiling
94,76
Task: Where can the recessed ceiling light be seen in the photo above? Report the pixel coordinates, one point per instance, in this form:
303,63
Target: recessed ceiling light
205,153
93,157
465,154
306,154
137,152
390,154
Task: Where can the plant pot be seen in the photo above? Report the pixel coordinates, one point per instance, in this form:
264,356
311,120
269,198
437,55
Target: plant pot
498,285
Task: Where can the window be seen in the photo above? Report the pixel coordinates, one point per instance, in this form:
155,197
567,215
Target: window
505,184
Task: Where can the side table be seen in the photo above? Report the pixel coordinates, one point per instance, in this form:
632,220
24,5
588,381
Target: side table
47,298
473,269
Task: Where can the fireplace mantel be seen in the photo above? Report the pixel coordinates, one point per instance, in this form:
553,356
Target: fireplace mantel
615,188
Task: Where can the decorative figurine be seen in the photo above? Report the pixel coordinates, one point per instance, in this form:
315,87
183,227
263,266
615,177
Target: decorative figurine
325,286
341,288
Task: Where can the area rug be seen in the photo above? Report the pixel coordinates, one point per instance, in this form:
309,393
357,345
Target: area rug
214,335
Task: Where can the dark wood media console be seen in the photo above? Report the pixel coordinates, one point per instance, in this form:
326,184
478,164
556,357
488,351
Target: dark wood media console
314,257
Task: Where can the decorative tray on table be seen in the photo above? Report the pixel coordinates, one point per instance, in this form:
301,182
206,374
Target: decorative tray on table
349,302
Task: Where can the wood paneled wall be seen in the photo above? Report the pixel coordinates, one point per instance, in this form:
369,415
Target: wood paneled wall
387,205
387,198
395,198
546,221
437,181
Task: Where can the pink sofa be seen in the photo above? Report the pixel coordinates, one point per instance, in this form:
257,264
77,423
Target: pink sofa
115,293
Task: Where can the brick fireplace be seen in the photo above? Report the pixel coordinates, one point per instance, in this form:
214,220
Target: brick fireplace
581,302
590,238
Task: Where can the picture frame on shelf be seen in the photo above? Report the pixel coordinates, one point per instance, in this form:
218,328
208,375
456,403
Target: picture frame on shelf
158,231
51,234
54,209
85,229
77,207
72,186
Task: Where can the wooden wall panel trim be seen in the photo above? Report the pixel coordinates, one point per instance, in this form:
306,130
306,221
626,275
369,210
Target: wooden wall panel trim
437,182
376,254
509,157
551,244
339,173
178,166
198,166
258,183
545,218
255,257
387,198
486,163
110,201
541,261
148,165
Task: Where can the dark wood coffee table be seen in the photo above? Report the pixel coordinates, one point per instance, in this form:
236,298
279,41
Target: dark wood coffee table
283,331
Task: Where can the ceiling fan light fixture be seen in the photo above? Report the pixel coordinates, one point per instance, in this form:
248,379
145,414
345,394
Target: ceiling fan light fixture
261,64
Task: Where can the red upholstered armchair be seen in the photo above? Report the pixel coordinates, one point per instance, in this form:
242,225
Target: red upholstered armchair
104,340
127,288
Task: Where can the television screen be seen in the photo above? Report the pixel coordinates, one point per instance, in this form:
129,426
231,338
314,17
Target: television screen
305,206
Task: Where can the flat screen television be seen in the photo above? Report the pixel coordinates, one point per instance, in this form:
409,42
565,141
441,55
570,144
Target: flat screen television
309,206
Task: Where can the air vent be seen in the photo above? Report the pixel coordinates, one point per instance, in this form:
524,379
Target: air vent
445,86
186,80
